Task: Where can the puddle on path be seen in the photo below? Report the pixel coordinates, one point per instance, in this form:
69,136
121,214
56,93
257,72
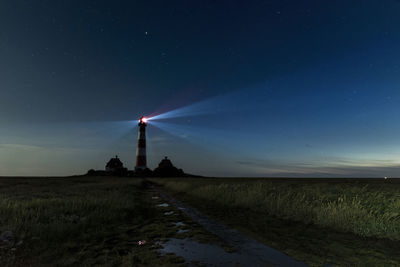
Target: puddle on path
168,213
178,224
207,254
252,252
181,231
163,205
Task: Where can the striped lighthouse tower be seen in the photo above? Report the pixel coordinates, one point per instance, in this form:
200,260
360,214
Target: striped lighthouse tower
141,147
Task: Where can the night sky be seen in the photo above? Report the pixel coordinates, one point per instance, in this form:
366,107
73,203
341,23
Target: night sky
241,88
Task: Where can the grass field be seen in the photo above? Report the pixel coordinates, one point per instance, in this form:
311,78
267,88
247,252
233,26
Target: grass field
85,221
339,221
89,221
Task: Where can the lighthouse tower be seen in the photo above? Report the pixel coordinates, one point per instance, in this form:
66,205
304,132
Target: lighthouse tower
141,147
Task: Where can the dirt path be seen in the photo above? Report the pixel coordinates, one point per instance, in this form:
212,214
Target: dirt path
249,251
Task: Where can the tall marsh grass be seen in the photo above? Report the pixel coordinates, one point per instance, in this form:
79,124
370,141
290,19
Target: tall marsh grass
69,221
369,210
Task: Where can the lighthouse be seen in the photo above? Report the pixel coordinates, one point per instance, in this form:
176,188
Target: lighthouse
141,163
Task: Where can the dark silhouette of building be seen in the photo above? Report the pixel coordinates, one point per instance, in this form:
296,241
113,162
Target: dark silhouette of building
165,163
167,169
114,164
116,167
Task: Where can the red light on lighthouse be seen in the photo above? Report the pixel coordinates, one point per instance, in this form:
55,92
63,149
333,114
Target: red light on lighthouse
142,120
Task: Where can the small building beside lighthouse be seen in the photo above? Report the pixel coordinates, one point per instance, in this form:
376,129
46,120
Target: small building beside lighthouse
167,169
114,165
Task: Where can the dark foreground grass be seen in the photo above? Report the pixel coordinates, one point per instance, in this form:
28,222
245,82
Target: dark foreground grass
339,221
81,222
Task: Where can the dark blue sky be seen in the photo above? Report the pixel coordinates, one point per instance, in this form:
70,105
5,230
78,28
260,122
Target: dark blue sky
260,88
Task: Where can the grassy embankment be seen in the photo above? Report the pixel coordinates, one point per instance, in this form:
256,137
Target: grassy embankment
83,222
319,221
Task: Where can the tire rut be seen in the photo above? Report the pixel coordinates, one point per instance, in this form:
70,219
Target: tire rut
256,253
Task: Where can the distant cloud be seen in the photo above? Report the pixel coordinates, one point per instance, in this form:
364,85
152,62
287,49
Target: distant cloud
18,146
332,167
245,163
